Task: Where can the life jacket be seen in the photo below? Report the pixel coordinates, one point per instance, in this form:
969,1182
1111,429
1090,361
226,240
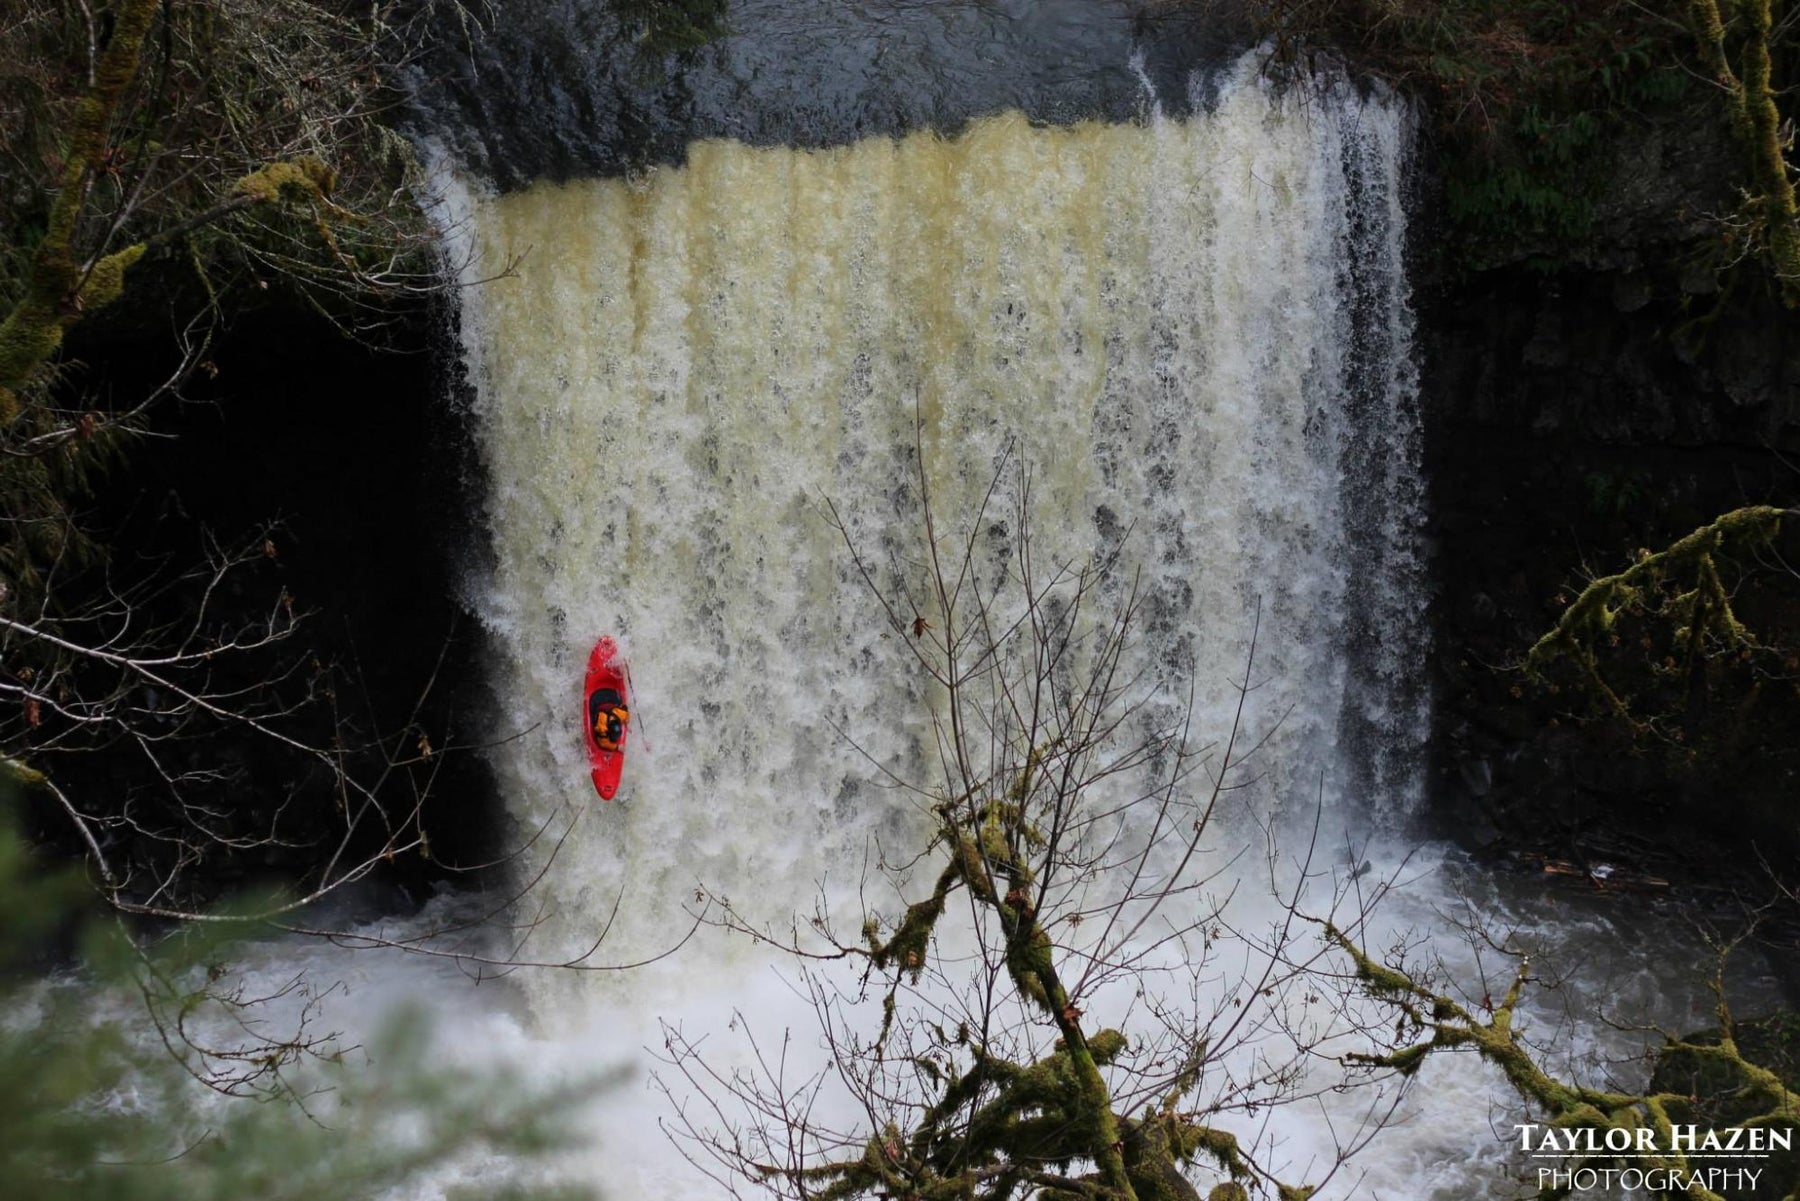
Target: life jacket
609,726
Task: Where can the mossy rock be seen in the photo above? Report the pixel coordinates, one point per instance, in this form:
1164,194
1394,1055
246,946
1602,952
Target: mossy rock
1719,1095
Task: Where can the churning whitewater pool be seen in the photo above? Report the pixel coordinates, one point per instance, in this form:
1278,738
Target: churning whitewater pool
1449,1140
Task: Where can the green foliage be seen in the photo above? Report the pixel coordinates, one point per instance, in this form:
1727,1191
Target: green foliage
1526,97
95,1109
663,27
1615,493
1529,98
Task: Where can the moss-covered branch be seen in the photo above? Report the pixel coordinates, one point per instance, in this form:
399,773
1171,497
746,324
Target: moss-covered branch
999,1126
1442,1023
65,278
1752,96
1701,606
56,293
1451,1025
984,842
1003,1126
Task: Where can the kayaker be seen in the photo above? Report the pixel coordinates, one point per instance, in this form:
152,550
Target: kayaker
611,716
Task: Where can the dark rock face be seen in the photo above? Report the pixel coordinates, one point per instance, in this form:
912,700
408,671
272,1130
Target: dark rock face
362,454
360,460
1571,418
555,91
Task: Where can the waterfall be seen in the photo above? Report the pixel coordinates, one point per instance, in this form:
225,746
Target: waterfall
1194,331
1191,330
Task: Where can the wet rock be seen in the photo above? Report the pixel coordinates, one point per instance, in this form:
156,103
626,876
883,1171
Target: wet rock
1631,291
1468,823
1477,776
1479,610
1567,426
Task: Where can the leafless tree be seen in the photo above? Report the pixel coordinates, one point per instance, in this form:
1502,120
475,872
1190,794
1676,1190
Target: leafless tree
1075,1007
177,159
172,164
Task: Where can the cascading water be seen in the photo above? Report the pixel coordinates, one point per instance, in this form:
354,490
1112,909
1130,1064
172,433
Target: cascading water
1194,332
699,388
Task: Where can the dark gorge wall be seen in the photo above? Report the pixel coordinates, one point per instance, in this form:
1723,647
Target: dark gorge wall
352,456
1575,414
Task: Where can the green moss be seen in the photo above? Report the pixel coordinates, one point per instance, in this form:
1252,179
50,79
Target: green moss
28,337
1220,1145
1407,1060
971,867
33,330
911,942
1701,611
1106,1046
107,279
1382,980
1527,97
998,1127
993,840
55,295
1710,1065
300,179
20,773
1756,117
1720,1081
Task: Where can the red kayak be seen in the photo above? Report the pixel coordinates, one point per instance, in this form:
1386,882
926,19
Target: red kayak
607,720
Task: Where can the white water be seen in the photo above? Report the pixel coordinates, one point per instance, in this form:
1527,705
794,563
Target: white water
1448,1142
1193,332
680,371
